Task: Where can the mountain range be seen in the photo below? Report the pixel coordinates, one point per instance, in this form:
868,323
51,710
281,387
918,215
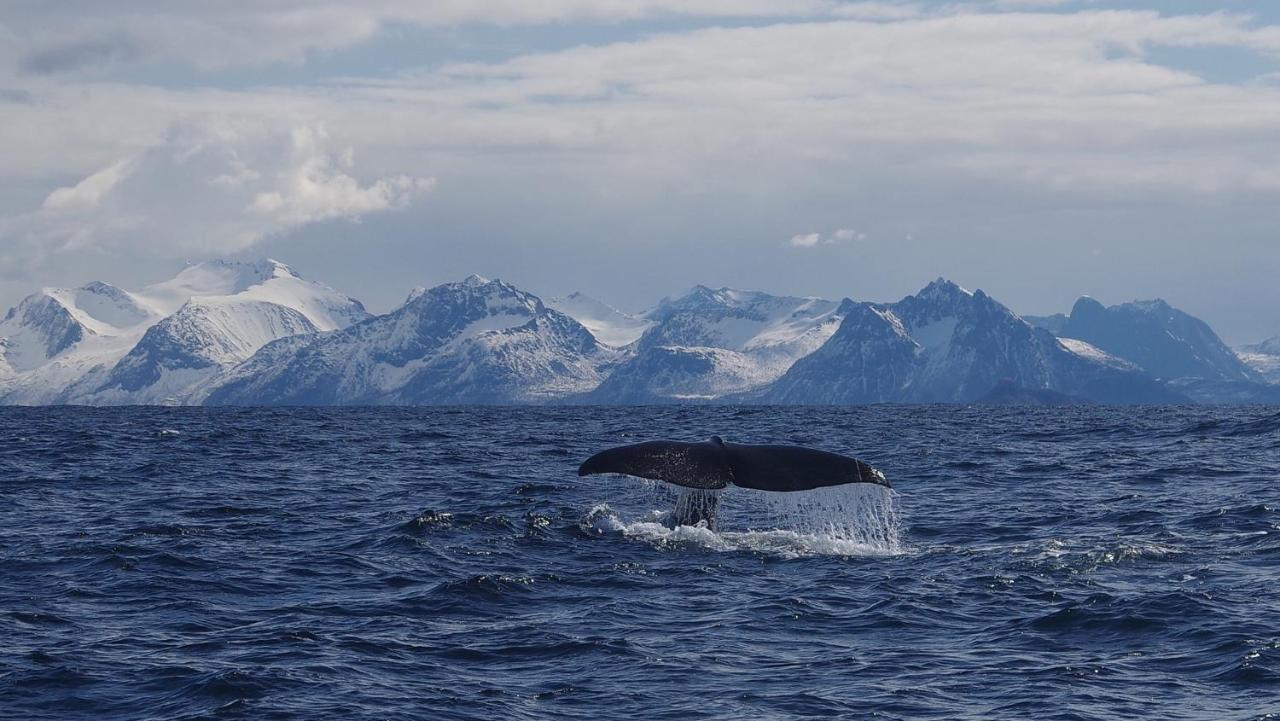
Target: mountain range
256,333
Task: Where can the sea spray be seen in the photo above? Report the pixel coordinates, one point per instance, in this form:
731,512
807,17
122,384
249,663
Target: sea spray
851,520
854,516
694,506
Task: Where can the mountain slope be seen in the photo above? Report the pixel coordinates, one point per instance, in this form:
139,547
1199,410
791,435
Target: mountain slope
608,324
946,344
710,343
101,344
1162,340
58,340
477,341
1263,358
242,307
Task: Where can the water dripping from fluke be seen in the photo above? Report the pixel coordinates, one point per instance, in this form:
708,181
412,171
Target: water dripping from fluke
851,520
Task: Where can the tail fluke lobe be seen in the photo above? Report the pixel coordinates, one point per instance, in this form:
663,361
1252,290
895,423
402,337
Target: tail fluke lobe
795,468
716,464
692,465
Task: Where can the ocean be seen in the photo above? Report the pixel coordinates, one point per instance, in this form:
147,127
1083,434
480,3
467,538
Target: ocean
448,563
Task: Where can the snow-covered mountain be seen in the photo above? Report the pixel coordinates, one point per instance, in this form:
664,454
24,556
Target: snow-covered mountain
1162,340
231,310
55,342
1263,358
608,324
100,344
710,343
256,333
947,344
476,341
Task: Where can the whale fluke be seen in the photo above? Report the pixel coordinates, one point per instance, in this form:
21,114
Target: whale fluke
715,464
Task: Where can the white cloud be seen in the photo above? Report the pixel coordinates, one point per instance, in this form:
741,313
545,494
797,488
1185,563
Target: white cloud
840,235
209,190
847,235
88,193
1061,100
311,187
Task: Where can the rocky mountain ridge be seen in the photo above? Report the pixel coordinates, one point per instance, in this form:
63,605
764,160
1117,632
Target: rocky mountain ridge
253,333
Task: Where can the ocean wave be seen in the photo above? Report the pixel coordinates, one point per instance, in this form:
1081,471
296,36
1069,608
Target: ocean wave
1101,563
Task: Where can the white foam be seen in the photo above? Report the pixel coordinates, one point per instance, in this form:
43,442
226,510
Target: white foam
853,520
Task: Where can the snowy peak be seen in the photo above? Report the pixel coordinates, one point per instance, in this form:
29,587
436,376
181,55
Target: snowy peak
1087,307
55,321
474,341
741,320
870,359
200,339
214,278
234,309
608,324
943,291
1271,346
702,299
39,328
1263,358
946,344
479,310
945,320
477,298
99,304
1164,341
265,280
713,342
57,338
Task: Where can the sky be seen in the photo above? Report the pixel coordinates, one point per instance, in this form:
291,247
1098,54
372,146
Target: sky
1037,149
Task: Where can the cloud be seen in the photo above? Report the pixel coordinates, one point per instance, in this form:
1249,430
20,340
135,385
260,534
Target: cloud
209,189
79,35
1062,101
16,95
88,193
840,235
76,54
847,235
312,186
902,110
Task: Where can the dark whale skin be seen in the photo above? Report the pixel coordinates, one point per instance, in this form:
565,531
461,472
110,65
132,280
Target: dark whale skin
715,464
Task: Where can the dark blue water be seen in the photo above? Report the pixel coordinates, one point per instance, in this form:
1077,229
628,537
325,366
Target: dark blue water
1080,563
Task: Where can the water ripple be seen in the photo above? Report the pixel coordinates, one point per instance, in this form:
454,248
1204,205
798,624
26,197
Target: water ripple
1075,563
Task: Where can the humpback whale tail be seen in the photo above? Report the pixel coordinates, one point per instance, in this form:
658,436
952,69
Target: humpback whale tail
715,464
